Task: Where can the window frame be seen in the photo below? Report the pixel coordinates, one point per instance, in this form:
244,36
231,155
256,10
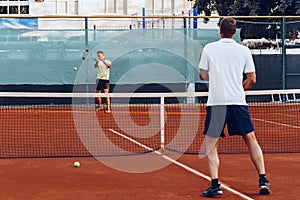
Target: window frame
67,6
14,3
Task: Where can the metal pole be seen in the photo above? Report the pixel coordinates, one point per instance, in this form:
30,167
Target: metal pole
86,28
95,29
283,36
162,122
195,13
143,20
184,23
185,56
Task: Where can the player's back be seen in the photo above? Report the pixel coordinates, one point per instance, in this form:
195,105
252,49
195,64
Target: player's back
228,60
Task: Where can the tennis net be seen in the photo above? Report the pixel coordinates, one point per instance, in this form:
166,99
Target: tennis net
67,124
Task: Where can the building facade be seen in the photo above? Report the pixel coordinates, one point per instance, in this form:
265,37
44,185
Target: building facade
93,7
97,7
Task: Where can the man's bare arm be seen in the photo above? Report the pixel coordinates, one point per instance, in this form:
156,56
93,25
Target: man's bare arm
204,75
250,81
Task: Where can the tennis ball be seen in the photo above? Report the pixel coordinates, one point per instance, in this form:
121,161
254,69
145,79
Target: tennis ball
75,68
76,164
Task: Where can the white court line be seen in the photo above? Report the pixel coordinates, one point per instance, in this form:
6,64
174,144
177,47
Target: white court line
182,165
276,123
286,115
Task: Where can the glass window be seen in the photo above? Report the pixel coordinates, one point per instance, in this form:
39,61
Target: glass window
13,10
3,9
24,10
66,6
14,7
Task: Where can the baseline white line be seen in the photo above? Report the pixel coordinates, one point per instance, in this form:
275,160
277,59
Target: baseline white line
182,165
276,123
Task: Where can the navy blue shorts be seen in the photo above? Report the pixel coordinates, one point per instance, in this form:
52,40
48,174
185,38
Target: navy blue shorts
236,117
102,84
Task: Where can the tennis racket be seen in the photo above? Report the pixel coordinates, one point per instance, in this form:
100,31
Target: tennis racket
85,55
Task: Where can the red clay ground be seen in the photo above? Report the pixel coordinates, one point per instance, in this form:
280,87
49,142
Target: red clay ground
58,179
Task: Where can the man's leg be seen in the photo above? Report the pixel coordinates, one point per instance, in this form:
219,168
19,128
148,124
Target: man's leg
212,156
107,100
255,152
213,166
258,161
99,101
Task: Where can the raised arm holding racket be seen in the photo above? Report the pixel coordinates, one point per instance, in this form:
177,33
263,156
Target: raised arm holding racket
103,66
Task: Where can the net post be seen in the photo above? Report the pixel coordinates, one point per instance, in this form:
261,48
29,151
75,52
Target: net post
162,122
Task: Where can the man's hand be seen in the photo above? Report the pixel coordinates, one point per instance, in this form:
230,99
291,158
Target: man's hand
250,81
96,63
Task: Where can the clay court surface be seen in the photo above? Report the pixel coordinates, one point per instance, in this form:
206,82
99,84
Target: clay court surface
40,144
56,178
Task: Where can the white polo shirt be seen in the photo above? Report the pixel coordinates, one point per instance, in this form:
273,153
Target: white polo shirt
226,62
103,70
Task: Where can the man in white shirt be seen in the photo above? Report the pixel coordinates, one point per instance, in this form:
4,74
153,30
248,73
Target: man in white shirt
223,64
103,67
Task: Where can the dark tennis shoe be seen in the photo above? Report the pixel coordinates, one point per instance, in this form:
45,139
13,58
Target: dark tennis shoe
213,191
264,188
